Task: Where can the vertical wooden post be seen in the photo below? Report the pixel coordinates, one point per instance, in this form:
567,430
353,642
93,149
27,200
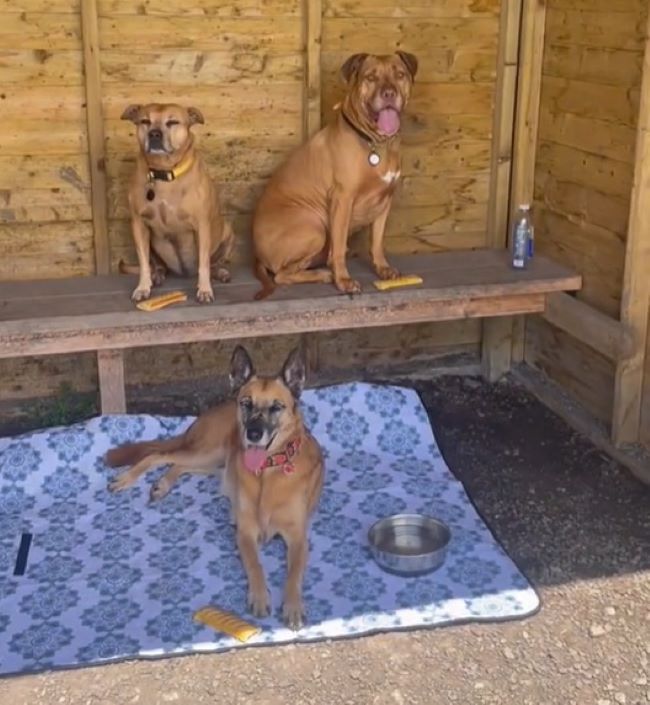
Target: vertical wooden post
628,388
95,124
110,365
529,88
312,89
497,332
311,119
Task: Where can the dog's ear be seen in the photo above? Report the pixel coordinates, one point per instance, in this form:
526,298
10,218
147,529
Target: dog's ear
195,116
241,368
410,61
352,65
294,372
132,113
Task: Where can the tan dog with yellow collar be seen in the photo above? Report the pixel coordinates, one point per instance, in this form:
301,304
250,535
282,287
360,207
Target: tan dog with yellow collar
175,214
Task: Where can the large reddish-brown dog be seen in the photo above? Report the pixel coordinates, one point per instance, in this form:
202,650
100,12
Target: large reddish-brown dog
339,181
175,215
273,470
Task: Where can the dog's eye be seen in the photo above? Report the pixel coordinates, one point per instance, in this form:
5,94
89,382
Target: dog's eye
145,121
276,407
171,123
246,404
401,75
371,78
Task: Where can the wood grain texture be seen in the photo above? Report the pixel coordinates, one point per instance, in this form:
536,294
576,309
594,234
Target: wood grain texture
95,313
311,109
583,179
602,333
96,146
526,127
497,334
635,295
110,371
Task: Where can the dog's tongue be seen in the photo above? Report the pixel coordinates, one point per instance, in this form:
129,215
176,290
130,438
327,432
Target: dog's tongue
254,458
388,121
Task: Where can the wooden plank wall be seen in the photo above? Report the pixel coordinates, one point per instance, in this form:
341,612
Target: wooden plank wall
244,64
583,179
45,214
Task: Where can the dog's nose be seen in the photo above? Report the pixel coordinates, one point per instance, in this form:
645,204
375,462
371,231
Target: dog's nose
254,434
388,92
155,134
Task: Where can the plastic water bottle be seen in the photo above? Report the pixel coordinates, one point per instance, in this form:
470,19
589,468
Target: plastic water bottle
522,236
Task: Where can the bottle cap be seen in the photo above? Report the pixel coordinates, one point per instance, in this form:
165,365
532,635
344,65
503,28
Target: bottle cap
525,206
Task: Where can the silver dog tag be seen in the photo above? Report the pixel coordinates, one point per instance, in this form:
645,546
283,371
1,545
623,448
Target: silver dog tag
374,158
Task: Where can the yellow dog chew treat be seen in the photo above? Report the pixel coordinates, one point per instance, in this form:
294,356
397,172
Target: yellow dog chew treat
408,280
226,622
158,302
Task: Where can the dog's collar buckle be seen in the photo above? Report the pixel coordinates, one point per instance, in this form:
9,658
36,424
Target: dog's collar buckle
161,175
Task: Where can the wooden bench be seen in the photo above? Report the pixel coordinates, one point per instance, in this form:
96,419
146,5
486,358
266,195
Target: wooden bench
46,317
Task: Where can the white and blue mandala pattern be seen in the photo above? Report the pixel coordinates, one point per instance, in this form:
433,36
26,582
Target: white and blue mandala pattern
110,577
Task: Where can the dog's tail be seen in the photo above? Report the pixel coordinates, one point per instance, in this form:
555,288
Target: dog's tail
133,453
268,284
125,268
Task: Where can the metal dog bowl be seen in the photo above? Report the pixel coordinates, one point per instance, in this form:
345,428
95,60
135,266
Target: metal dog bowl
409,544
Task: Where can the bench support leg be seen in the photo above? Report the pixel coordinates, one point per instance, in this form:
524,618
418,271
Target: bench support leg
497,347
110,365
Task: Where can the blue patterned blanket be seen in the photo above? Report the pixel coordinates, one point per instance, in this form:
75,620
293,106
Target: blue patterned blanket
108,577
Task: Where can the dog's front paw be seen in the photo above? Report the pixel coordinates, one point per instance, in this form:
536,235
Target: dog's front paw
159,489
258,602
140,294
222,275
293,614
121,482
348,285
387,272
204,296
158,276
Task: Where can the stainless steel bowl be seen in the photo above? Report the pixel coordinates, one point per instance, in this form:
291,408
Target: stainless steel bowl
409,544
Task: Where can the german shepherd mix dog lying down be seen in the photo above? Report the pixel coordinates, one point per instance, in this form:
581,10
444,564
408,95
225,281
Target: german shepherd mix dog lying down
272,470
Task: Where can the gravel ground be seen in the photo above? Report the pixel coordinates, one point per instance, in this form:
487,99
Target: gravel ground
575,522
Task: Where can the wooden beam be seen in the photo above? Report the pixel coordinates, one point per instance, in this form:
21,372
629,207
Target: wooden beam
590,326
497,343
313,13
311,119
628,388
112,394
529,88
95,125
503,123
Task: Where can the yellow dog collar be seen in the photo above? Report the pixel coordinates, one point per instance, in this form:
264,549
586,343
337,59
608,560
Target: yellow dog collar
171,174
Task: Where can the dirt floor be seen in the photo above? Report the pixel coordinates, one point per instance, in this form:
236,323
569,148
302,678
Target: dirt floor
576,523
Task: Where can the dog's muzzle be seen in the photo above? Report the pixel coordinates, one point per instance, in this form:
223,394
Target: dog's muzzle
155,140
255,431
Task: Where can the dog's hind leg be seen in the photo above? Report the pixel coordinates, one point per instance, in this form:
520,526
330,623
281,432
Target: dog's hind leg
126,479
305,276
